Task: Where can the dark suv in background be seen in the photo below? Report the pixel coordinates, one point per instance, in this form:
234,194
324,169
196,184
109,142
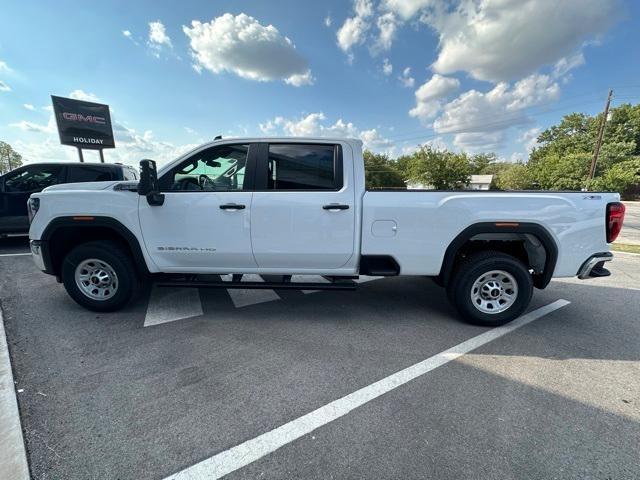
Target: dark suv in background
17,185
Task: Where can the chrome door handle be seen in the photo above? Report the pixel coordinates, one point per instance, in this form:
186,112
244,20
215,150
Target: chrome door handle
232,206
335,206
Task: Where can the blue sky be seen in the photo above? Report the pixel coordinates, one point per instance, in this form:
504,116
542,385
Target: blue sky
472,75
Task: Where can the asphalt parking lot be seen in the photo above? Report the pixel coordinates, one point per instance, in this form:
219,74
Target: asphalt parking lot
188,376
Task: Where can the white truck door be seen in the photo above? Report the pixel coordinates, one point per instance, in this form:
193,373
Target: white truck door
302,215
204,224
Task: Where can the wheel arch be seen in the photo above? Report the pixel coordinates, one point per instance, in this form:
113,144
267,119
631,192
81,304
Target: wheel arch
529,241
64,233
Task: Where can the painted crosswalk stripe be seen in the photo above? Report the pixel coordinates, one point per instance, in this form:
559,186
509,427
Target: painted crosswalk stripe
171,304
245,297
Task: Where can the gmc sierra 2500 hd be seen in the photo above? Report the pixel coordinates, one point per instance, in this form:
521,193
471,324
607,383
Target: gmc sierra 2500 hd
298,206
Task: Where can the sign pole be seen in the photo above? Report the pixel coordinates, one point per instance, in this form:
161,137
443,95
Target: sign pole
101,156
80,154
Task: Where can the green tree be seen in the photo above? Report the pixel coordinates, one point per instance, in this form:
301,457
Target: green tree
555,162
482,163
381,172
440,169
9,158
622,177
515,176
561,172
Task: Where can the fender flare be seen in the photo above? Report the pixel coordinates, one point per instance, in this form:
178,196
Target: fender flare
86,222
509,228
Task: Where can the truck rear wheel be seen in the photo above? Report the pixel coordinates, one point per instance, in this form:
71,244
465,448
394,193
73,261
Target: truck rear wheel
490,288
100,276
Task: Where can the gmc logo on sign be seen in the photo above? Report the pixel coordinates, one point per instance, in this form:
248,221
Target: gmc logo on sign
78,117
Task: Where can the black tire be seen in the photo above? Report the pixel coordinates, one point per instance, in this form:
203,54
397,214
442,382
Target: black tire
472,268
117,258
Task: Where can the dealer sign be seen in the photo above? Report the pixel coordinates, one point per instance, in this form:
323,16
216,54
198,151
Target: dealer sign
83,124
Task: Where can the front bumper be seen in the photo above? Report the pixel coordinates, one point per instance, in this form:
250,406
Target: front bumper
37,253
593,266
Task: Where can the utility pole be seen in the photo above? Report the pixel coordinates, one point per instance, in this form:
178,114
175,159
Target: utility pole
596,152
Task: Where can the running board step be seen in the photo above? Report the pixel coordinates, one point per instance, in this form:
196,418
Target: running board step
342,285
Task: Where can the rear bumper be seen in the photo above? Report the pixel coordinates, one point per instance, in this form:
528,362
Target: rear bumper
593,266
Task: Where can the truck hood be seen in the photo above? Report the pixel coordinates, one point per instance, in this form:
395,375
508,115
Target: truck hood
81,186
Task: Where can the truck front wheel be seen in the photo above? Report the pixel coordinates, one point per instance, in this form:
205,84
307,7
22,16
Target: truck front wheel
100,276
490,288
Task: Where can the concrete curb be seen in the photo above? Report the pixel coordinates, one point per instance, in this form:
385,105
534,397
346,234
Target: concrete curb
13,456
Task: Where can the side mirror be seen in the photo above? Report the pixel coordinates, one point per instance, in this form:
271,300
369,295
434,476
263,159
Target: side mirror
148,184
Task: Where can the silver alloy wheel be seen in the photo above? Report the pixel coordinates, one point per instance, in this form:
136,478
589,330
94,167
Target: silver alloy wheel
96,279
494,291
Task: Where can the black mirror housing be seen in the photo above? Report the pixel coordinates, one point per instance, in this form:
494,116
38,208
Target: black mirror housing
148,184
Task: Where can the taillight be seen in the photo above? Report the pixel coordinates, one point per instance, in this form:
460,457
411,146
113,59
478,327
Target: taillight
615,217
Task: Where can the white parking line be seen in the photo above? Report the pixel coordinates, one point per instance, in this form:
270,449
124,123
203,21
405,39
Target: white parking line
248,452
171,304
13,457
14,254
245,297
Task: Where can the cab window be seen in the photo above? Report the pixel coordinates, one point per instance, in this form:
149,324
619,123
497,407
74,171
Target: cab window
33,179
302,167
216,169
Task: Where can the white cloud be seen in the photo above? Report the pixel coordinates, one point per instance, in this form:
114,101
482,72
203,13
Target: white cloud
499,40
126,33
563,66
28,106
354,29
529,138
241,45
387,68
406,79
158,34
406,8
4,67
33,127
476,141
4,87
300,79
327,21
387,26
478,118
314,125
429,95
82,95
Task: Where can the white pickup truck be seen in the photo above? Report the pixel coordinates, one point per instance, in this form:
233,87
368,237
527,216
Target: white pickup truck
298,206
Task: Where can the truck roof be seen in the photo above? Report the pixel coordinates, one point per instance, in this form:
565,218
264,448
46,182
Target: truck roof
80,164
288,139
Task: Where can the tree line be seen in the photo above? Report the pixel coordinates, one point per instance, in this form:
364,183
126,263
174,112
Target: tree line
560,161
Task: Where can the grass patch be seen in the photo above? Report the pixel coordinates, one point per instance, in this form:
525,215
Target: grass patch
625,247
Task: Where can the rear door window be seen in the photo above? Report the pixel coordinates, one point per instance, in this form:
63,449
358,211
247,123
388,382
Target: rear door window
302,167
89,174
